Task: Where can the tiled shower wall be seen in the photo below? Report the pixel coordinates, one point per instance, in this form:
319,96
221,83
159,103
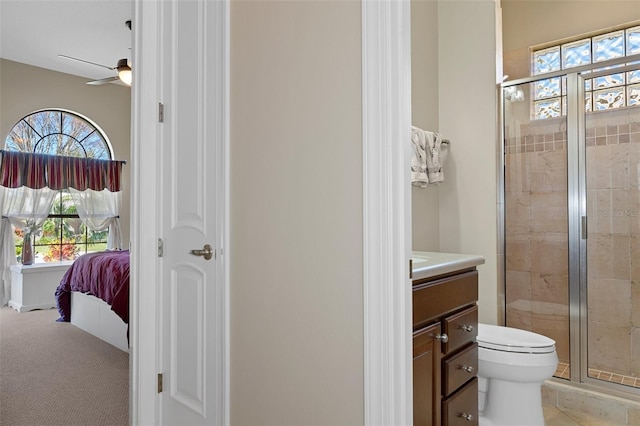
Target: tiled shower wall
536,235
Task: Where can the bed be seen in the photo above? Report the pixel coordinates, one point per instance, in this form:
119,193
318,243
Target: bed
94,296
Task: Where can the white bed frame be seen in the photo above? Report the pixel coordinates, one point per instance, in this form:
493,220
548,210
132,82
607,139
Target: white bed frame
95,316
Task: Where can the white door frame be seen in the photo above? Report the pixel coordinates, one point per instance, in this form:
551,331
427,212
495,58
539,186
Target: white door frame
386,104
144,361
386,117
144,276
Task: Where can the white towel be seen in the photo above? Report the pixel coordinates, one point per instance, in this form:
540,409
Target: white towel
419,161
434,164
426,164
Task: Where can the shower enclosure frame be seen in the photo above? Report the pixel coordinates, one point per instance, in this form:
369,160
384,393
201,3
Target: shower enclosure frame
576,215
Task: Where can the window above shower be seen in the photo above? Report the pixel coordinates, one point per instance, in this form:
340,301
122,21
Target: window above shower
605,92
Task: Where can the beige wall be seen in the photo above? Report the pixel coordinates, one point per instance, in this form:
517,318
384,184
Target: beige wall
25,89
453,79
532,22
424,114
468,117
296,214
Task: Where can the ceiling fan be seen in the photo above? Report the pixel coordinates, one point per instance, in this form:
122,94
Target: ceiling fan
122,68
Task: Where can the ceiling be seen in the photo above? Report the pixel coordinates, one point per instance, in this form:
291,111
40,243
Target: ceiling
35,32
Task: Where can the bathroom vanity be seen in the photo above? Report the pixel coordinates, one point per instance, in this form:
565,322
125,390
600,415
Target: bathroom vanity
445,324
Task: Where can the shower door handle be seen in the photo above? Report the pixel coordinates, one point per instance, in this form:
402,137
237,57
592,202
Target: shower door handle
584,227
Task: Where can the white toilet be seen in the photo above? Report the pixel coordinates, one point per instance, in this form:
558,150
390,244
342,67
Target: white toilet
512,364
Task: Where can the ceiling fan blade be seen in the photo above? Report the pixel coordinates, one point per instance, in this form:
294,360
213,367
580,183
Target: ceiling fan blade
86,62
103,81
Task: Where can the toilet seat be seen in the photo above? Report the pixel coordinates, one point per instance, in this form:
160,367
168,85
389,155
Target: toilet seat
513,340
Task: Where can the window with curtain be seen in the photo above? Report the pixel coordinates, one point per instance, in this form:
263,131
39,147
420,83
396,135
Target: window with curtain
62,234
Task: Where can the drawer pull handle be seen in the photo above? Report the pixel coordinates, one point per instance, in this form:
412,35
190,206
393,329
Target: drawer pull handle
467,328
467,368
467,417
442,337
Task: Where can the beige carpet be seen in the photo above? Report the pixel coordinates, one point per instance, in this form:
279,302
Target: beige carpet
53,373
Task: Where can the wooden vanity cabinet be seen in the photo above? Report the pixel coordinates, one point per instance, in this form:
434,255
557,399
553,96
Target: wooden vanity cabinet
445,353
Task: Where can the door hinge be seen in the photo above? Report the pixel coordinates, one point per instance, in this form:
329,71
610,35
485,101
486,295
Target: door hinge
159,382
160,112
160,247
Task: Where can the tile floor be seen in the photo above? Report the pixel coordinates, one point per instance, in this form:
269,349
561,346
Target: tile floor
563,372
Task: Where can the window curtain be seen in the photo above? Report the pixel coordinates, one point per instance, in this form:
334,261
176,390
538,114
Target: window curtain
58,172
28,185
26,209
99,210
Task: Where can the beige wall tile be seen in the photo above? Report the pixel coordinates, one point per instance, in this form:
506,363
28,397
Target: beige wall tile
550,288
635,352
608,166
592,405
518,286
555,327
548,171
517,206
635,304
549,255
608,301
608,256
634,165
610,211
549,396
518,318
549,211
609,348
517,255
634,211
517,177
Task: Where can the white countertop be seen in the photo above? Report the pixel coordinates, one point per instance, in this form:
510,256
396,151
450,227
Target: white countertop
429,264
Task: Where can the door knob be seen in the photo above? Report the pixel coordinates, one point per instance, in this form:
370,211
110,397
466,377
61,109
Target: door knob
206,252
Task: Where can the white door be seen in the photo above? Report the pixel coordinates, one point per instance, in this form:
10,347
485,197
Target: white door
193,96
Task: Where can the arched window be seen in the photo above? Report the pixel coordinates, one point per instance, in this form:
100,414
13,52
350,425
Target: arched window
59,132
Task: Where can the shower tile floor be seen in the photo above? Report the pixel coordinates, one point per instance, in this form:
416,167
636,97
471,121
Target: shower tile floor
563,372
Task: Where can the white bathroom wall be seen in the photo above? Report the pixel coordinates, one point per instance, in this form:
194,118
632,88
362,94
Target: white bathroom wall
467,48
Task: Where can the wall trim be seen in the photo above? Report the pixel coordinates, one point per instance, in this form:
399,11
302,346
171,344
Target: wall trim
386,112
143,295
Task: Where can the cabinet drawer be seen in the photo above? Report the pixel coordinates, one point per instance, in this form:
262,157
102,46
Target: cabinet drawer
440,297
462,328
461,409
459,369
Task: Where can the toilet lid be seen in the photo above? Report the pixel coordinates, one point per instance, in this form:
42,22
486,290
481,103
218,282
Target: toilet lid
513,340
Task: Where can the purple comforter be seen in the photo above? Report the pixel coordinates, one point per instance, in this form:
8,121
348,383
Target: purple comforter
104,275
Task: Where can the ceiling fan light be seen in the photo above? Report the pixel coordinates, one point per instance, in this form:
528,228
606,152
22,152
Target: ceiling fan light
125,76
124,72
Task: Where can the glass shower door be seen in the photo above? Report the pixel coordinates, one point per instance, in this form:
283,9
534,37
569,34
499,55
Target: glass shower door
535,213
612,156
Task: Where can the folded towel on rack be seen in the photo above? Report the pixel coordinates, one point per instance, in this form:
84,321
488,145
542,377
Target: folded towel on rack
419,175
426,164
434,163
